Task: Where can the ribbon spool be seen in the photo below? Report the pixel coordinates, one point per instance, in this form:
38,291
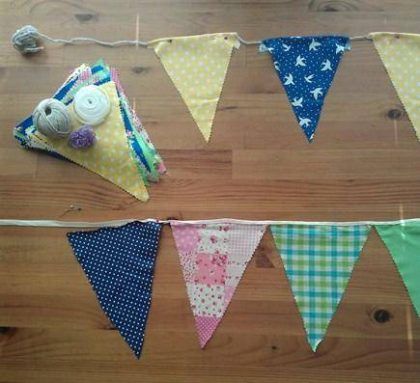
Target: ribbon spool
91,105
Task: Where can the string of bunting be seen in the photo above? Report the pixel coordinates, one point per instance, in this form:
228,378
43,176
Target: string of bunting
318,257
305,65
90,122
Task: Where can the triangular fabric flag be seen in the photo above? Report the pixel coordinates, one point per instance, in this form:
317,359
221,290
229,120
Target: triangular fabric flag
112,152
318,260
119,264
400,54
111,156
213,258
403,242
197,65
306,66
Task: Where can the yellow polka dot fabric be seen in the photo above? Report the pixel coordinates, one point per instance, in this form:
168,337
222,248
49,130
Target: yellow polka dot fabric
197,66
110,156
400,54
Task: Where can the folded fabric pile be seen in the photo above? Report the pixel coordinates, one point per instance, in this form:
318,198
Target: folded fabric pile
90,122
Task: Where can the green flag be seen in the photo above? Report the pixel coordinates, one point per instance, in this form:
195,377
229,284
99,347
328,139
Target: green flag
403,242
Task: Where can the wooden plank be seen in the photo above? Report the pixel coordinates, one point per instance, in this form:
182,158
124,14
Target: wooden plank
258,165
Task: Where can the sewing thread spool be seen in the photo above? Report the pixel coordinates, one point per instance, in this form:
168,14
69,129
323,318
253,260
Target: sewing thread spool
91,105
52,119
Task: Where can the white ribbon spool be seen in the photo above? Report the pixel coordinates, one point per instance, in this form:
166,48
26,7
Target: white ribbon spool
91,105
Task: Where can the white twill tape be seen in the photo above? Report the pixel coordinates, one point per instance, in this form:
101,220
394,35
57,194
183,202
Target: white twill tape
116,223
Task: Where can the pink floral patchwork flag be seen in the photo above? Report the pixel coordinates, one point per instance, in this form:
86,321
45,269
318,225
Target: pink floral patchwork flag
213,258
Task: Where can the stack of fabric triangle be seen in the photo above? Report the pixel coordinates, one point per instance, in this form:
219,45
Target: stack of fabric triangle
123,152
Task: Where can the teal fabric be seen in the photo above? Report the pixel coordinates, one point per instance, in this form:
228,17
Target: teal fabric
318,261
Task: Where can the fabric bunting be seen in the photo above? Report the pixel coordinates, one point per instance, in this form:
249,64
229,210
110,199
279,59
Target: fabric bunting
213,258
403,243
111,156
123,152
306,66
318,261
197,65
119,264
400,54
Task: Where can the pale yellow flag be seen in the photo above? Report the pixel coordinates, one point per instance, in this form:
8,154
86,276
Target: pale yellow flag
110,156
197,66
400,54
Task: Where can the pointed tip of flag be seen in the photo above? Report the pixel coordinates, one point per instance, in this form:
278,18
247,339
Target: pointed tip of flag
207,137
314,343
206,326
205,130
203,339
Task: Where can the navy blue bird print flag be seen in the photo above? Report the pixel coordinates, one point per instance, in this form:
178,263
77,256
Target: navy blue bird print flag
119,264
306,66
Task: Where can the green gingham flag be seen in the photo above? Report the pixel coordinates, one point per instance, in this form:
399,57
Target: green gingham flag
318,260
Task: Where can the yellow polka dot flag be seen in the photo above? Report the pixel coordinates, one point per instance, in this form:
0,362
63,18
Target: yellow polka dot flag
400,54
111,156
197,65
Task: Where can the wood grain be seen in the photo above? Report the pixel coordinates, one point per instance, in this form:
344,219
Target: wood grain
363,164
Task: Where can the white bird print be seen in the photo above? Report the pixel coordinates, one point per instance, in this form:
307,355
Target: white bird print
286,48
314,45
316,92
297,102
264,48
326,65
339,48
276,65
309,78
304,122
288,80
300,61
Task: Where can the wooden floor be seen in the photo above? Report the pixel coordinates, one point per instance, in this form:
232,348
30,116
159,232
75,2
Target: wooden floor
363,164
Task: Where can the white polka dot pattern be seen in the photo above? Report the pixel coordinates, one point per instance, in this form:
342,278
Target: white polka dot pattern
400,54
197,65
119,264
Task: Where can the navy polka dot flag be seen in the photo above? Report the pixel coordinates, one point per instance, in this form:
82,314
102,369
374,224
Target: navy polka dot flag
119,264
306,66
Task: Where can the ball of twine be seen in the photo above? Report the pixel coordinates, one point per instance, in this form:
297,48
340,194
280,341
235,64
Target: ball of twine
26,39
52,119
91,105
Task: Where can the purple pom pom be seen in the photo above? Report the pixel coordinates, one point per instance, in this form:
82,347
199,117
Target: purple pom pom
84,137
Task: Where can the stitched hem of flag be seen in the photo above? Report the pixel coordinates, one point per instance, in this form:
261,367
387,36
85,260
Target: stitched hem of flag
155,41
